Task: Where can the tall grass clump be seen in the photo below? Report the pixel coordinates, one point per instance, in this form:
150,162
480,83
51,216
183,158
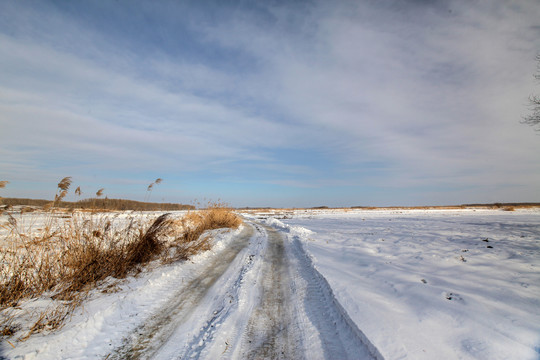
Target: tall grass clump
194,224
64,255
72,255
3,184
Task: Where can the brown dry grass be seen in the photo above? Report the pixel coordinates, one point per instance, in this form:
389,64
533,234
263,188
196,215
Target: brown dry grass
194,224
72,253
67,260
67,255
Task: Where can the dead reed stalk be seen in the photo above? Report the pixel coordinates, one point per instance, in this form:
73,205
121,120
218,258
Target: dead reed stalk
73,254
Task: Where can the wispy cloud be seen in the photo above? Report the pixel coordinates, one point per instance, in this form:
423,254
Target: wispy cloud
339,97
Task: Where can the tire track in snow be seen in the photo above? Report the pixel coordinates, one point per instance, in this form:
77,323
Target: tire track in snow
225,305
298,315
270,331
147,339
339,336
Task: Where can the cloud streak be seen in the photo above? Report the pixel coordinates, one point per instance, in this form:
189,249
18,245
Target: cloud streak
383,102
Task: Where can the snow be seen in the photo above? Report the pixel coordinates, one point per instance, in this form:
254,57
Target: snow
425,285
406,284
101,324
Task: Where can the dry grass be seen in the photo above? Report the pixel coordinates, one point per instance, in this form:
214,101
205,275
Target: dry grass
66,256
69,254
74,256
194,224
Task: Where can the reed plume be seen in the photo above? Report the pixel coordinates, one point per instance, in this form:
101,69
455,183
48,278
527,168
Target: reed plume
64,183
150,187
3,185
62,190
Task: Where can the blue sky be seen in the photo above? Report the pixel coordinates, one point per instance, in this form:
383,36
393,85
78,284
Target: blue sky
271,103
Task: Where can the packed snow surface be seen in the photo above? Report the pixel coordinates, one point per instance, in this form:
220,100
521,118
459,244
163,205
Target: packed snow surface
378,284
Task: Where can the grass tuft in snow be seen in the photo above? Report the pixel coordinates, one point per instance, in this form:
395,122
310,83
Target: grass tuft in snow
191,241
66,254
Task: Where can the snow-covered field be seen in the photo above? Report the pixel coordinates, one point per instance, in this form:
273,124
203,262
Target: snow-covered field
433,284
378,284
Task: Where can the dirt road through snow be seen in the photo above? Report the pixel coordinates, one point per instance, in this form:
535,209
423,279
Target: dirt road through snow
259,299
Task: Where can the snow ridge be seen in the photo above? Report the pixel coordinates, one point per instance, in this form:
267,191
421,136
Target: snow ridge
321,305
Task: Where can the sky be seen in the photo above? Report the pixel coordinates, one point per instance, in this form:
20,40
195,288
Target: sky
271,103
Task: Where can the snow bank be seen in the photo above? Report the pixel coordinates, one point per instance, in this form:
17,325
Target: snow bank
100,325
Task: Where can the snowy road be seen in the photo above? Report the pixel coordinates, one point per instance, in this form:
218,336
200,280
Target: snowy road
260,298
331,284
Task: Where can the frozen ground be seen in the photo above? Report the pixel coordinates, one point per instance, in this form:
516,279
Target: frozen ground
325,285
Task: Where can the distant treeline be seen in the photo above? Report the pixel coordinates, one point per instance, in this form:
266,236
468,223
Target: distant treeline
499,205
463,206
106,204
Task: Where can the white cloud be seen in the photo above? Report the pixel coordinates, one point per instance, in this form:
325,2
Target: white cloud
389,94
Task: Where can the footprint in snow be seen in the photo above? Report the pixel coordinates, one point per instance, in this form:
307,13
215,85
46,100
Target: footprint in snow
453,296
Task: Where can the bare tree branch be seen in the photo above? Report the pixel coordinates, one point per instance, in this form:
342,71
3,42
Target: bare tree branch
534,101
